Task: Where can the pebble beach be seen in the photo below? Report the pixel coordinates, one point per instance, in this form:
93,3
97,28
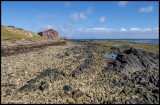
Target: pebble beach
68,85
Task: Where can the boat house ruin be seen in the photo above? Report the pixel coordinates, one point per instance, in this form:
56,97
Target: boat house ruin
50,33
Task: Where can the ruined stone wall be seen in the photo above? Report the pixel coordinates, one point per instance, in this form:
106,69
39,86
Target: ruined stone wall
51,34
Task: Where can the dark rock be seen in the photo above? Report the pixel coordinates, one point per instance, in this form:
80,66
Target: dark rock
140,90
79,57
107,71
26,87
8,92
130,102
66,54
156,97
134,60
61,57
44,85
115,50
58,76
67,88
147,96
123,91
62,73
84,69
48,72
54,75
58,54
76,73
99,98
32,81
109,102
142,81
150,85
78,95
155,90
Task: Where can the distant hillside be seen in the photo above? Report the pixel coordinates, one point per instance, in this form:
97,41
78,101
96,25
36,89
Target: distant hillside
12,33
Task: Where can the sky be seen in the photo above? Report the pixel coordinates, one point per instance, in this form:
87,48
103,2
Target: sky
85,19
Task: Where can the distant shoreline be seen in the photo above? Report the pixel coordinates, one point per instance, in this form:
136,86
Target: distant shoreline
150,41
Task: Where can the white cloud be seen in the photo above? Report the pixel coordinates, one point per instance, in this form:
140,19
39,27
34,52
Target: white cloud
77,16
67,4
78,29
74,17
147,29
102,29
122,3
135,29
89,10
146,9
99,29
141,30
102,19
123,29
157,28
105,33
82,16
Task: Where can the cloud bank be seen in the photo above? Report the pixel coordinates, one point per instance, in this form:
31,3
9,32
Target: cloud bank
146,9
105,33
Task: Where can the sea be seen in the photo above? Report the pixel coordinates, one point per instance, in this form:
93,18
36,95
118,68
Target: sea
150,41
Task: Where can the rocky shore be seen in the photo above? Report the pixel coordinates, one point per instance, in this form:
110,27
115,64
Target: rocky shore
76,73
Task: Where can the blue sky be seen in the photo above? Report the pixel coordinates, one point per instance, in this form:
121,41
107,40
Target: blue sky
85,19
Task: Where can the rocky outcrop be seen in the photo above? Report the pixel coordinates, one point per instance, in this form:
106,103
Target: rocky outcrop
39,83
142,84
132,60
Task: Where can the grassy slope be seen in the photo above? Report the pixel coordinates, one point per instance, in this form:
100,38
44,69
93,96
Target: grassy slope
10,35
64,38
144,46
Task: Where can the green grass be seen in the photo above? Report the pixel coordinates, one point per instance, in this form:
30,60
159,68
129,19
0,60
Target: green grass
64,38
7,35
144,46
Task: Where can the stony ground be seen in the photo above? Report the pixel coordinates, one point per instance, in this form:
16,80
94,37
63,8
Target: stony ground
72,74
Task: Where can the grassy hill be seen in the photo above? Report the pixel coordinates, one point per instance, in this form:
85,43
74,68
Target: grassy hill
12,33
64,38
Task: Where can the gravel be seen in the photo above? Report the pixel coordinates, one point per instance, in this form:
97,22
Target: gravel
42,75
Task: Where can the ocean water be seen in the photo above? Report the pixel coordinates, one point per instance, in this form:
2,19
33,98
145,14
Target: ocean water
151,41
113,56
